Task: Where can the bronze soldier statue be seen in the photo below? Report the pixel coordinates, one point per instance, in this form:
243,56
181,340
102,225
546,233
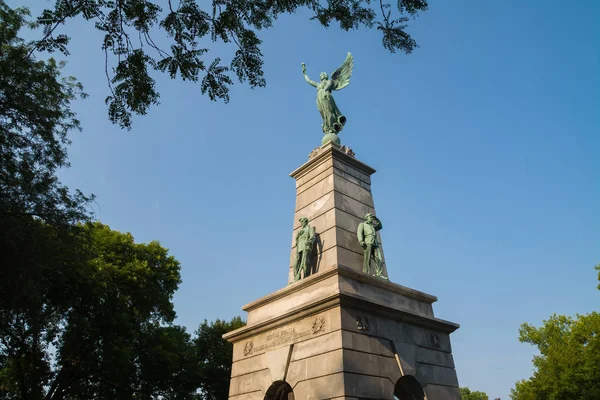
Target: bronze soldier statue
304,244
367,237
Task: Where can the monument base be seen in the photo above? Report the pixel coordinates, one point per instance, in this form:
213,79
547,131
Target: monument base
341,334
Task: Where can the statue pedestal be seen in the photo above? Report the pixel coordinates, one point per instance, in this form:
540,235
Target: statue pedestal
340,333
333,190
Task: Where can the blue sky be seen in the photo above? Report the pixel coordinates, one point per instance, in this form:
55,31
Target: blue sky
485,139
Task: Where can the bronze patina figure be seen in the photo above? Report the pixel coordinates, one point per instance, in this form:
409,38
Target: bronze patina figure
304,245
333,119
367,237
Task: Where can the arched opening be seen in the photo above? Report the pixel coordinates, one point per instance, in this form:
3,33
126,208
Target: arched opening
279,390
408,388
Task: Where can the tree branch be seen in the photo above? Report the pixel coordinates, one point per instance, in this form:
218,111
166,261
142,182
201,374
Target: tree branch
35,47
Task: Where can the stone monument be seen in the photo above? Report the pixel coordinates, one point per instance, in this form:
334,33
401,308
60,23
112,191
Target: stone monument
340,329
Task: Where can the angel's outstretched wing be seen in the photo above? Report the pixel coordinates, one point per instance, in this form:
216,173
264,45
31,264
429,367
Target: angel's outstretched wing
341,76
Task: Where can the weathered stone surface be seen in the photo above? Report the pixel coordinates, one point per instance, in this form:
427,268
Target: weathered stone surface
352,179
394,330
361,363
277,361
352,190
384,297
325,387
322,344
372,387
427,374
325,364
346,221
248,365
419,336
431,339
389,368
322,289
314,193
349,318
347,168
314,184
316,169
406,357
367,344
435,392
316,208
326,259
352,206
315,176
252,382
315,366
434,357
348,240
297,372
349,258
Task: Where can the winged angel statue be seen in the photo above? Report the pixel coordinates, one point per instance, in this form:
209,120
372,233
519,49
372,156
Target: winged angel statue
333,119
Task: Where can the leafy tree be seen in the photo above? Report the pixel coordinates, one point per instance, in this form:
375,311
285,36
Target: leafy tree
93,322
215,355
129,29
467,394
85,312
89,314
35,117
568,364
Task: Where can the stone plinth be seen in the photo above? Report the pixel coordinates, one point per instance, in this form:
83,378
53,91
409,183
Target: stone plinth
343,334
333,190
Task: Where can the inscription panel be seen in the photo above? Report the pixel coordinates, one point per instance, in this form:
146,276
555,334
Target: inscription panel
298,331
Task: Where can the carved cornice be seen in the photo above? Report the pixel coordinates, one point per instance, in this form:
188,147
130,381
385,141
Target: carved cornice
339,299
343,271
327,152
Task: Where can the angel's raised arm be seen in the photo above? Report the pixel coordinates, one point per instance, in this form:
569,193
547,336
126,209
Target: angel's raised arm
306,78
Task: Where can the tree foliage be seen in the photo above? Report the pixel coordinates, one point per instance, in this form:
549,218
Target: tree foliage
130,26
214,356
86,314
568,363
467,394
35,118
